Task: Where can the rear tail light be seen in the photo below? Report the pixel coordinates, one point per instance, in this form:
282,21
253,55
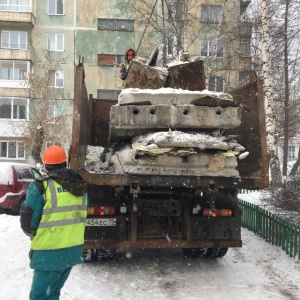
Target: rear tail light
217,212
91,211
107,210
101,210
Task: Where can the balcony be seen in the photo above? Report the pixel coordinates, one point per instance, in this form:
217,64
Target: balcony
17,14
14,74
15,54
13,92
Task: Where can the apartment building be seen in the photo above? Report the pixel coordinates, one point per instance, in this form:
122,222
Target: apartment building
47,37
17,18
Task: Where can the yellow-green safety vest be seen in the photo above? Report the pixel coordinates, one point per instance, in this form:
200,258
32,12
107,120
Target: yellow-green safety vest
126,65
63,219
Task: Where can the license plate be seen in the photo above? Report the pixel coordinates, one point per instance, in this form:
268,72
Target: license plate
101,222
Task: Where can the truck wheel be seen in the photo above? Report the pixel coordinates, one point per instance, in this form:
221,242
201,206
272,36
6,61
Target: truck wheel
216,252
89,255
106,254
194,252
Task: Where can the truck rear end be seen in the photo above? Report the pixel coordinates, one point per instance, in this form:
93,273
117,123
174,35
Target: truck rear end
175,195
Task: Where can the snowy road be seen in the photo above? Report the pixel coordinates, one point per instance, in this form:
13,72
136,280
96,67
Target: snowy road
255,271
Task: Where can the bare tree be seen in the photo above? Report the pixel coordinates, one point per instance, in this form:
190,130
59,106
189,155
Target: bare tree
286,63
180,25
47,118
275,55
272,139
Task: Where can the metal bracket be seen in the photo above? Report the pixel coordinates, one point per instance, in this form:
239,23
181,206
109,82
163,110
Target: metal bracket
135,190
212,196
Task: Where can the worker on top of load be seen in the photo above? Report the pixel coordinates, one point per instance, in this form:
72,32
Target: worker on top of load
129,55
54,215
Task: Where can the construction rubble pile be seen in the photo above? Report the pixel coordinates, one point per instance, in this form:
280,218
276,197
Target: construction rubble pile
169,125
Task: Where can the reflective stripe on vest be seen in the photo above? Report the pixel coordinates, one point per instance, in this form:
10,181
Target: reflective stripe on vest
63,219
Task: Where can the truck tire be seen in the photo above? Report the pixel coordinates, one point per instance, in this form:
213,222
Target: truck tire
216,252
194,252
106,254
89,255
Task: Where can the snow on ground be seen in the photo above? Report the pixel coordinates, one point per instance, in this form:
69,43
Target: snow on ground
257,271
252,197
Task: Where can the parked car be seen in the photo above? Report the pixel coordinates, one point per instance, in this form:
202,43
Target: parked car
14,181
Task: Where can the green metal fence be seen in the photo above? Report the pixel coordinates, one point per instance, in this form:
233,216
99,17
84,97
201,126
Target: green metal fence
246,191
271,228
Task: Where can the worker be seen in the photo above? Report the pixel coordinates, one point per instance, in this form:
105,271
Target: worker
53,215
123,68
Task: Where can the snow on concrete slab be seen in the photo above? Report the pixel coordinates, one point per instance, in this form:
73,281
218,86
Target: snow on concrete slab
177,138
168,96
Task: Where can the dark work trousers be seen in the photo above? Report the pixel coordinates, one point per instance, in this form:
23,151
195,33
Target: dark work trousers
47,285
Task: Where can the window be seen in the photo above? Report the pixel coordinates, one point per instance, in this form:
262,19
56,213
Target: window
291,153
35,173
55,41
244,77
116,24
211,13
216,84
55,7
56,79
12,149
13,108
207,47
15,5
19,174
109,59
14,70
171,46
58,111
27,174
245,47
175,10
108,94
14,40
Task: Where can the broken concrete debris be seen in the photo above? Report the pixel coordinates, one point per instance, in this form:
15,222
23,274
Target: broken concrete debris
155,102
170,153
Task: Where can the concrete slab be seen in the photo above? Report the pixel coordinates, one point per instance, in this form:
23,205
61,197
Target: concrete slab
145,77
187,76
202,164
132,120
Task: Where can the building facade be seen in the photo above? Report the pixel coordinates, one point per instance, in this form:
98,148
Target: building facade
41,42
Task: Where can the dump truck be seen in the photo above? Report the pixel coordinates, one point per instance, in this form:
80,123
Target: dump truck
165,161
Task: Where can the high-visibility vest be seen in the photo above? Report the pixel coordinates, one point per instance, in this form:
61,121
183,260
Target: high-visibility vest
63,219
126,65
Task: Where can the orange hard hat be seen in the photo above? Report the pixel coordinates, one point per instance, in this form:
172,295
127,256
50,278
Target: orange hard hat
130,52
54,155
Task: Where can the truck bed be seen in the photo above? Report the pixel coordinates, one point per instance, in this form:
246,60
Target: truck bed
252,171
